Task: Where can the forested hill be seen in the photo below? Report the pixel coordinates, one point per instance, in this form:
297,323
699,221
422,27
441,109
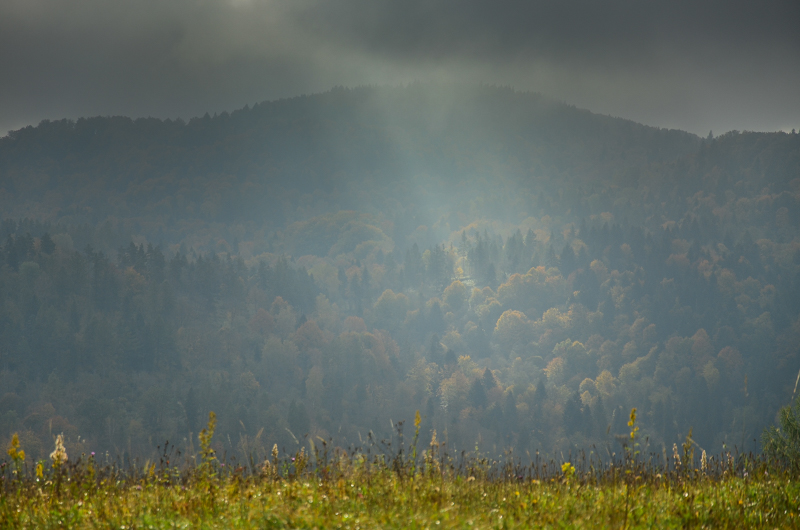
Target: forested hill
521,271
254,164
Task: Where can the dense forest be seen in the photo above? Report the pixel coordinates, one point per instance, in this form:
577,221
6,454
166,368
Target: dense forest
520,271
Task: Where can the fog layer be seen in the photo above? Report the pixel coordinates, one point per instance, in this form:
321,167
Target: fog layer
520,271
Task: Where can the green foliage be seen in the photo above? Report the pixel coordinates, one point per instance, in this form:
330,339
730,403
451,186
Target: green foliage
782,445
17,455
633,449
205,436
688,452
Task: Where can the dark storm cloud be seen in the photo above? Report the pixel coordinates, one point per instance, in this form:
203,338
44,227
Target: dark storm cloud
624,33
693,65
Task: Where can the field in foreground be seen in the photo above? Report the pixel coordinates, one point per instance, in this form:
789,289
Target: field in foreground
360,495
432,489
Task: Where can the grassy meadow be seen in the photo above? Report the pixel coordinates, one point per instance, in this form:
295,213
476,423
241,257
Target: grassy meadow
384,500
333,488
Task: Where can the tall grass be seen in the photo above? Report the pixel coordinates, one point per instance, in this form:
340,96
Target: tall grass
380,486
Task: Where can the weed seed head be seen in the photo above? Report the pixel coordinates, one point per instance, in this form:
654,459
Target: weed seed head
59,455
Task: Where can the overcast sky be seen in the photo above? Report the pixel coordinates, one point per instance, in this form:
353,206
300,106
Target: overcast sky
695,65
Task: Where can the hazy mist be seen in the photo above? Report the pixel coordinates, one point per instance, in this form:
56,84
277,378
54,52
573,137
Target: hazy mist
318,218
521,271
